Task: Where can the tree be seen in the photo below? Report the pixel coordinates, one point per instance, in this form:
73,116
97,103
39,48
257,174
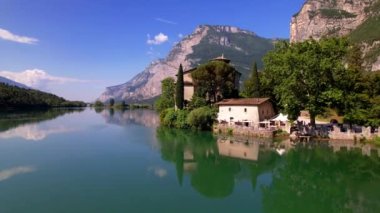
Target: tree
180,89
309,75
166,99
252,85
215,81
112,102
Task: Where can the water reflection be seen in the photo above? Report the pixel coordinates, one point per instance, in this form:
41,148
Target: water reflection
13,119
313,177
147,118
213,170
34,132
325,180
9,173
28,124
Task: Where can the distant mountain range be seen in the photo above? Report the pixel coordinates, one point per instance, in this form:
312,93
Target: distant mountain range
357,19
12,83
206,42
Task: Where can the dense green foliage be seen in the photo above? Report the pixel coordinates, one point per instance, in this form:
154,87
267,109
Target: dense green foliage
197,119
251,87
241,49
166,99
202,118
180,89
197,102
98,104
16,97
215,81
313,75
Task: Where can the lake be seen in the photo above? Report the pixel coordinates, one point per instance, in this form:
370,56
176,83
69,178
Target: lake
122,161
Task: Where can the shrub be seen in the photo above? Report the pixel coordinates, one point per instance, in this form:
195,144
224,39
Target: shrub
201,118
181,122
197,102
170,117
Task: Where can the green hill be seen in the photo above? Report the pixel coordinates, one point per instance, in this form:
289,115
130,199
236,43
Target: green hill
16,97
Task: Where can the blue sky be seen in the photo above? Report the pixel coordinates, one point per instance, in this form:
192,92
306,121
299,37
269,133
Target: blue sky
75,48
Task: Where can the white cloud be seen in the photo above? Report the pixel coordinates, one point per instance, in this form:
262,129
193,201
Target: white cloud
37,78
158,39
9,173
165,21
7,35
180,35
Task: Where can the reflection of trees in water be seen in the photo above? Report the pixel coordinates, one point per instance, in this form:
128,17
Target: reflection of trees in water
212,175
148,118
319,180
13,119
310,178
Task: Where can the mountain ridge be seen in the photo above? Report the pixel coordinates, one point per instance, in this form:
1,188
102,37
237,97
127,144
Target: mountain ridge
12,83
206,42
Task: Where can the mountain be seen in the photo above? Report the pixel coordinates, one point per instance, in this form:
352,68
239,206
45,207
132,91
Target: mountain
206,42
357,19
12,83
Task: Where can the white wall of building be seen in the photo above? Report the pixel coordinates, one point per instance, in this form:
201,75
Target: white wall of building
238,113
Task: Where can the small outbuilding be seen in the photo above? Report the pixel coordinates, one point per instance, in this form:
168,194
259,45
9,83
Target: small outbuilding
247,111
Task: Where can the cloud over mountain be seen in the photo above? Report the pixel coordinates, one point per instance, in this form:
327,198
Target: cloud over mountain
37,78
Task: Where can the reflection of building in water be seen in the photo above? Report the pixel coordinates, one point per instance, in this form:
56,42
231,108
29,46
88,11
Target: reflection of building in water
238,149
367,149
189,163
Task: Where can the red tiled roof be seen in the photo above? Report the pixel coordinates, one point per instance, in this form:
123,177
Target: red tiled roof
243,102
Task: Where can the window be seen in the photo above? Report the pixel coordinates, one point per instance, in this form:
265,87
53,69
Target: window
245,109
229,109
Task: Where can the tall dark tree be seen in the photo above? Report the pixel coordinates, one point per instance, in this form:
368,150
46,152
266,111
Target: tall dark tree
112,102
180,89
252,84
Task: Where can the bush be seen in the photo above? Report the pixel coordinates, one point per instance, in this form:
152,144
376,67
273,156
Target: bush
181,122
201,118
170,118
162,104
197,102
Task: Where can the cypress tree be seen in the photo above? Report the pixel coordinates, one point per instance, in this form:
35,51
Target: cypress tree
251,87
255,81
180,89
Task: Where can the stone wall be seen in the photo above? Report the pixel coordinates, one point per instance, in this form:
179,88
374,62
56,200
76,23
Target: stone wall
337,134
243,131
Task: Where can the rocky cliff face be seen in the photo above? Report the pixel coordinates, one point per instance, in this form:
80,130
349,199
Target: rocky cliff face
204,43
319,18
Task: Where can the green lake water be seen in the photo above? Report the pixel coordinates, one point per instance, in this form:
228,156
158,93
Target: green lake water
112,161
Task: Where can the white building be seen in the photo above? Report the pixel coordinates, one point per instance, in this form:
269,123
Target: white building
245,110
